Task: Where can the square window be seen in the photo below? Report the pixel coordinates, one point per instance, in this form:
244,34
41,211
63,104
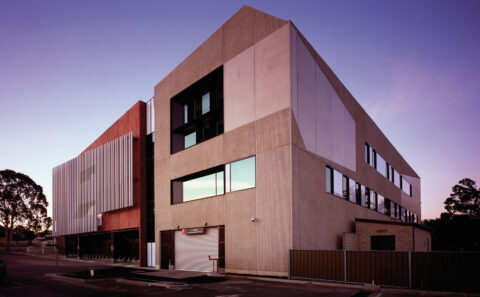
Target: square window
190,139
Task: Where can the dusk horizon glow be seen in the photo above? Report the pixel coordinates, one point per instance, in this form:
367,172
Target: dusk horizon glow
69,70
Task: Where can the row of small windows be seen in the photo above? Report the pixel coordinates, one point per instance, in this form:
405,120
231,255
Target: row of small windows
345,187
235,176
384,168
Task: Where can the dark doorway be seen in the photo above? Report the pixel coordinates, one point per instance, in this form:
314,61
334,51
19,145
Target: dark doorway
382,242
167,249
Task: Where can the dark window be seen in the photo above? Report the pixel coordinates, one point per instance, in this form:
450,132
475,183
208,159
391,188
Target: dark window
167,249
367,153
382,242
150,180
197,112
358,191
368,196
345,187
388,171
374,159
221,247
388,208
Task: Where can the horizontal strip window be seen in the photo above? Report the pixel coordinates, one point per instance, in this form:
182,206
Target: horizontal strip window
374,159
235,176
342,186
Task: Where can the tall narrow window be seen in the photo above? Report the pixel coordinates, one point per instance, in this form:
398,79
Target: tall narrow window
362,189
367,153
358,192
329,180
381,203
227,178
352,190
206,103
345,187
388,207
185,113
337,183
367,197
220,183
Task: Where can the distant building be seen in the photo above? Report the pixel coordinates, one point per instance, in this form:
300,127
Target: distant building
258,149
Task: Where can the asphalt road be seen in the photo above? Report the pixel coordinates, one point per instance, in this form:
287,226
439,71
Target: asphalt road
28,276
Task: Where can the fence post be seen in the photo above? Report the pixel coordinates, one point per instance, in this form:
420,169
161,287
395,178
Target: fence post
410,269
345,266
289,264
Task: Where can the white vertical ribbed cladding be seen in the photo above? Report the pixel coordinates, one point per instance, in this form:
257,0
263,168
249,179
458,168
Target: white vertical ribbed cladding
150,116
96,181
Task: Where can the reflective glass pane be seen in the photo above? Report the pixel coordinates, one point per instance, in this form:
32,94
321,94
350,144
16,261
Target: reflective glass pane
372,157
243,174
190,139
199,188
405,186
227,178
362,195
373,200
351,184
397,178
328,179
337,183
220,188
185,114
205,103
381,165
345,187
381,203
368,196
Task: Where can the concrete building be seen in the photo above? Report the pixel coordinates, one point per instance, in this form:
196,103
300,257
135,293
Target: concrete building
259,148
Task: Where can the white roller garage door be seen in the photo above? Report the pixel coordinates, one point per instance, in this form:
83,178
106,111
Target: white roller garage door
192,251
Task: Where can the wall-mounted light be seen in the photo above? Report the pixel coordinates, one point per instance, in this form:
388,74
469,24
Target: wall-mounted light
253,219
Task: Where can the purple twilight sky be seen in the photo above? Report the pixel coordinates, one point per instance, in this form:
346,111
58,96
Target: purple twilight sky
69,69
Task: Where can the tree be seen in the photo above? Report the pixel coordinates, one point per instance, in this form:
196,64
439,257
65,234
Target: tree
457,228
465,199
22,202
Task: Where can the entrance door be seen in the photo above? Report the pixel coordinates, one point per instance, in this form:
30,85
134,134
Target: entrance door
192,251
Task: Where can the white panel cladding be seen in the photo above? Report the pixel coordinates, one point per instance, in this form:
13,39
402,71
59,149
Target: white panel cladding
150,116
96,181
